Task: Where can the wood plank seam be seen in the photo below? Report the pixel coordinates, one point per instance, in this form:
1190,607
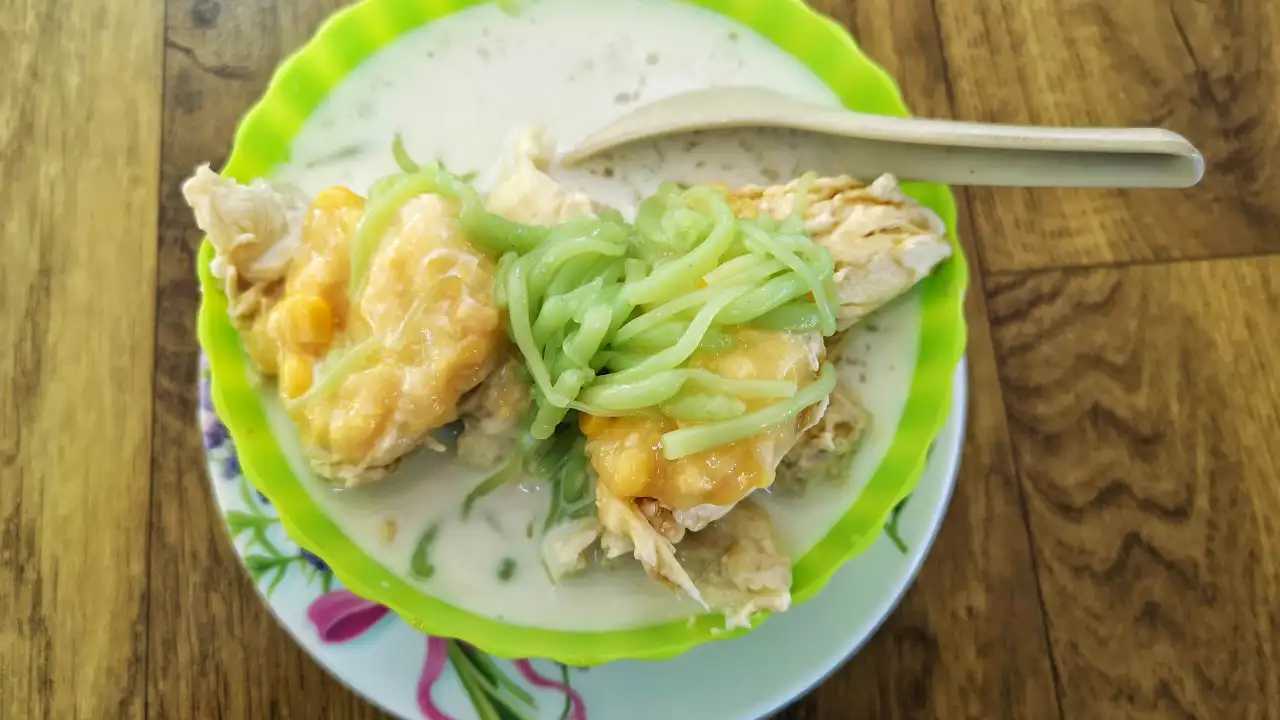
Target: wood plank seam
1124,265
978,285
156,410
979,259
977,262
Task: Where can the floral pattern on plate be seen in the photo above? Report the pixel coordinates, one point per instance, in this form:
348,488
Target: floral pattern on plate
338,615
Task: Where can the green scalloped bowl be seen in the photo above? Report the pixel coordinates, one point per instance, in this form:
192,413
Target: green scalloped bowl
262,142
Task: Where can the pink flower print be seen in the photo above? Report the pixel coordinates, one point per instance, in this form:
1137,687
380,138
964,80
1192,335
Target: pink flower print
437,658
576,710
341,615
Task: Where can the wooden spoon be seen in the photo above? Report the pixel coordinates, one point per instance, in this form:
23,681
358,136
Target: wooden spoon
956,153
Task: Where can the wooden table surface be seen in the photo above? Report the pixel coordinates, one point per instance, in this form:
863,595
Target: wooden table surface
1113,549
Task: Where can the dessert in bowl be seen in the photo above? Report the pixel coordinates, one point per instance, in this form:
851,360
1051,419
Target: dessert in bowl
590,414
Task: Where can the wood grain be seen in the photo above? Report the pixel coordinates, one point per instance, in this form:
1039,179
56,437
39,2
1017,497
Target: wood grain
79,141
215,650
1113,545
1145,405
1209,70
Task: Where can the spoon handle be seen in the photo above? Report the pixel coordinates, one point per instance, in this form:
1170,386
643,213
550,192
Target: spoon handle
963,153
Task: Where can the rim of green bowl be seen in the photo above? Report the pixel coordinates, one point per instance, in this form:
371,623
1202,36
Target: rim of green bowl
262,141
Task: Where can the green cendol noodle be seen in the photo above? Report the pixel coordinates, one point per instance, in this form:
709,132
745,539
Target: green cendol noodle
606,314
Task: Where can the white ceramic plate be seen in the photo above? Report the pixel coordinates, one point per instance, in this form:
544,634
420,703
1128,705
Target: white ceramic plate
411,675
